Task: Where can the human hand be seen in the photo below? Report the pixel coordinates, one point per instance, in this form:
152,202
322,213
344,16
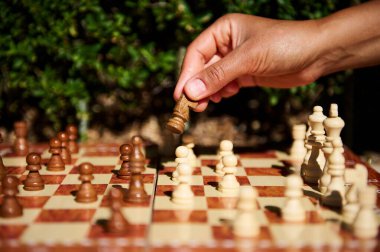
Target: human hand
242,50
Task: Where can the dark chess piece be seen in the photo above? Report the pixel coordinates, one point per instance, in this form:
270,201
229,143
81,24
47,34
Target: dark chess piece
3,171
136,192
10,207
21,145
181,115
72,132
86,192
56,162
125,152
117,223
65,152
33,181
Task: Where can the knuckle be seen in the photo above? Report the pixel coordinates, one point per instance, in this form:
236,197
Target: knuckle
215,72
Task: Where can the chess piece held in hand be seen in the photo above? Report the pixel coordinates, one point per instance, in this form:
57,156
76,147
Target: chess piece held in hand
181,115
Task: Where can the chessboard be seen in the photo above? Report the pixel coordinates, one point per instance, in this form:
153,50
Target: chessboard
53,220
52,217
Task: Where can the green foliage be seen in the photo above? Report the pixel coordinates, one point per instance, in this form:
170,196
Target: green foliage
57,55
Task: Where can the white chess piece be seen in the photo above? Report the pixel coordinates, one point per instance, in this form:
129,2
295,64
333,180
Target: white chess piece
311,169
298,150
365,225
335,194
229,184
181,152
183,195
293,210
192,157
188,141
350,210
333,126
225,148
245,223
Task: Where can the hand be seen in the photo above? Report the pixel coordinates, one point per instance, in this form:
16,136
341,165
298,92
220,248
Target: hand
242,50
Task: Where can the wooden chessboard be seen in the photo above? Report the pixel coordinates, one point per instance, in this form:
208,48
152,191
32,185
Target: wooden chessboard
52,219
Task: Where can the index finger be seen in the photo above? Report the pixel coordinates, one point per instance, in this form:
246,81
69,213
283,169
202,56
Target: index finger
200,51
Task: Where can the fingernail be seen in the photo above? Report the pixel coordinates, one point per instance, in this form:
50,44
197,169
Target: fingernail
195,88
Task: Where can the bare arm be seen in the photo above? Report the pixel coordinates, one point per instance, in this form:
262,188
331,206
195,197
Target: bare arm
243,50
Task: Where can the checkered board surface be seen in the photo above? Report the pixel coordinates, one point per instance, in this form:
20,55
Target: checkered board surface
208,223
52,216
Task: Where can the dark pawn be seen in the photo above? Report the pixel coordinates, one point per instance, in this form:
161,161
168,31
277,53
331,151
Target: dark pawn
117,223
125,152
86,192
72,133
3,171
65,153
55,162
136,192
33,181
21,146
10,207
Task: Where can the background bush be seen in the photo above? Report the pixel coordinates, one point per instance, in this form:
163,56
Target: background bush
117,61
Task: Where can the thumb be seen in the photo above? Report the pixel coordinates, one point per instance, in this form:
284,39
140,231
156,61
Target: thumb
214,77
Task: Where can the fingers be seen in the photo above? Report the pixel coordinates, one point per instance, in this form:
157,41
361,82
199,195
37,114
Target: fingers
202,51
216,76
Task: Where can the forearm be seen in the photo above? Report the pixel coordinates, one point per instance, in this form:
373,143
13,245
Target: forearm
350,38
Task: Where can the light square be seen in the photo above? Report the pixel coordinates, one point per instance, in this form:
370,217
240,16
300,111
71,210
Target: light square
211,191
113,160
49,190
57,232
134,215
28,217
207,171
164,179
165,203
180,234
279,202
260,162
216,217
67,170
14,161
267,180
149,188
68,202
315,235
98,179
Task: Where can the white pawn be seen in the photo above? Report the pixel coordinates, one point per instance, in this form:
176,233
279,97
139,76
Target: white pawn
293,210
298,149
245,223
225,148
229,184
365,225
181,153
350,210
335,194
183,195
189,143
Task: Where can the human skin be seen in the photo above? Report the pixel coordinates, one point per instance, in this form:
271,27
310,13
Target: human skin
243,50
